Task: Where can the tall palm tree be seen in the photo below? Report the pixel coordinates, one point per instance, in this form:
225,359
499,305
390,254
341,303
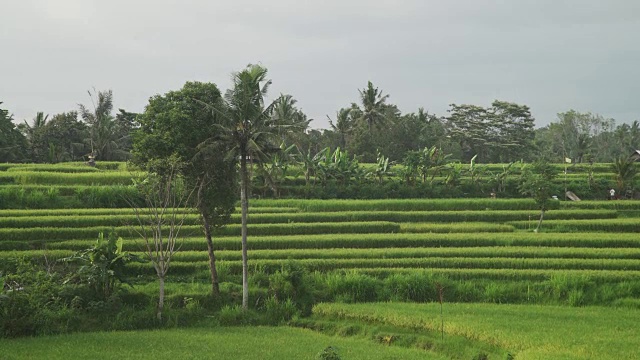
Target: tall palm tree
104,135
289,119
625,171
343,125
38,122
373,105
249,130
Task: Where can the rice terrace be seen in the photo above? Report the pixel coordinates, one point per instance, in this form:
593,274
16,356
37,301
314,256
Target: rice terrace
358,276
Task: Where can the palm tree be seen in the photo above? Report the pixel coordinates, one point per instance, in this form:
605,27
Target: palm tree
249,130
38,122
104,137
625,171
373,106
289,119
342,126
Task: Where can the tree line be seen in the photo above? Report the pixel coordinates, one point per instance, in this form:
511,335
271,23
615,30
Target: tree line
502,132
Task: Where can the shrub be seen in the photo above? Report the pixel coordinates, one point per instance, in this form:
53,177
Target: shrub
329,353
277,312
353,287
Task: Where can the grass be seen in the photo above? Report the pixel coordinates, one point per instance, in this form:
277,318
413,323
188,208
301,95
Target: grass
202,343
528,331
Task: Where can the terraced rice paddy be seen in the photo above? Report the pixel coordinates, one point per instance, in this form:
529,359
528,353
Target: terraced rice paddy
377,239
480,250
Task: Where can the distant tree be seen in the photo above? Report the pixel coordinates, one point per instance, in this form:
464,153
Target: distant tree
373,106
503,132
13,144
469,126
537,182
38,123
290,121
625,170
64,136
125,124
342,126
514,129
104,135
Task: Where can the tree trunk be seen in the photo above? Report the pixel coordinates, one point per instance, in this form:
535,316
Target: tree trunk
215,285
161,299
244,199
540,221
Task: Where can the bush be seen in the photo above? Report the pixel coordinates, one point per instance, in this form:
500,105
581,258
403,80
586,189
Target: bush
329,353
277,312
235,315
30,303
353,287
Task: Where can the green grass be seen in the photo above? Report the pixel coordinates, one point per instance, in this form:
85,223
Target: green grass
202,343
529,332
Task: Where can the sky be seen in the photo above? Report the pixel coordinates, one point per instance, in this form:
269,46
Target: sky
552,55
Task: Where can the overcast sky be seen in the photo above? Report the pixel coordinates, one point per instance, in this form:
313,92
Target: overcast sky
553,55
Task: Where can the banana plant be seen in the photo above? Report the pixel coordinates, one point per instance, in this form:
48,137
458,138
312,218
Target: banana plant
309,165
382,169
409,171
274,171
454,173
102,266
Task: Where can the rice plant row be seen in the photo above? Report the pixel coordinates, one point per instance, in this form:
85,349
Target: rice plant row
64,233
620,225
365,241
309,217
520,252
324,265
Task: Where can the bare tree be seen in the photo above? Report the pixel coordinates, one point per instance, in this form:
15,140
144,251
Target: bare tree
160,222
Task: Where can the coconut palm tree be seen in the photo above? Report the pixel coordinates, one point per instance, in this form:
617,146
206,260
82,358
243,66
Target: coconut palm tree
342,126
104,133
373,106
249,130
625,171
38,122
290,121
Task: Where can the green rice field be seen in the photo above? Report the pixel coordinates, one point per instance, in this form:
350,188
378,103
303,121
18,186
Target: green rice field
570,291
